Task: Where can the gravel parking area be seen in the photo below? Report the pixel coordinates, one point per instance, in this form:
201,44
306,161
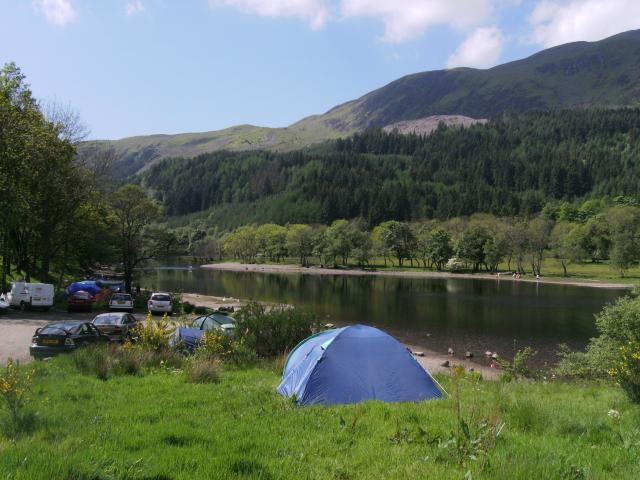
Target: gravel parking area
17,328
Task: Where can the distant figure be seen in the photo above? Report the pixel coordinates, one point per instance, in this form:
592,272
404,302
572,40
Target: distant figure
138,289
450,351
537,276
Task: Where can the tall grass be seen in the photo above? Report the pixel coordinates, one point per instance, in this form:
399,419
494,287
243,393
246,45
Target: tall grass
159,426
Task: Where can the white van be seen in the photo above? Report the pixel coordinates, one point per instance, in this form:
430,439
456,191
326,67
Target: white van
26,295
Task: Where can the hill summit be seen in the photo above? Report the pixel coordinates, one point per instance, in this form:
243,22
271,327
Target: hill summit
605,74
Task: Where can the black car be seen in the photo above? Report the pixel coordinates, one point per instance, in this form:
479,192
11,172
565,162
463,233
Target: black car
65,336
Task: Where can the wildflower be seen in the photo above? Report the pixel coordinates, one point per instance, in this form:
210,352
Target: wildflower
614,414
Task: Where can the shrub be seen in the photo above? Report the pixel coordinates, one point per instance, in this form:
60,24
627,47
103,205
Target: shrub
201,310
202,370
519,367
176,303
93,360
126,361
141,299
129,359
188,307
576,365
626,369
216,345
274,331
616,351
152,335
14,390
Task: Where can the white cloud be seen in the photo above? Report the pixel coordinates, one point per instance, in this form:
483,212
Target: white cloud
556,22
481,49
407,19
403,20
58,12
315,12
131,8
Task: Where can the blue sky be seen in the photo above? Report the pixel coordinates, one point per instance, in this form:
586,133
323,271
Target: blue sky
135,67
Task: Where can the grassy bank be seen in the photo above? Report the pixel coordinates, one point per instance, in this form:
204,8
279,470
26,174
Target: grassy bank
551,269
158,426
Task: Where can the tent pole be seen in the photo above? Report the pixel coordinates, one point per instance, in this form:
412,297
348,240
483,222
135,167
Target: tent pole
438,383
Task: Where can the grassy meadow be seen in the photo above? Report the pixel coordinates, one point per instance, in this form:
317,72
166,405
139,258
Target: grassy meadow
156,425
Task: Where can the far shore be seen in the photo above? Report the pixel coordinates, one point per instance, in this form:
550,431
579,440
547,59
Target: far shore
314,270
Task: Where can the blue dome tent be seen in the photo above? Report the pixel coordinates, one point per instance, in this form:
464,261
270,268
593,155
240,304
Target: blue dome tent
354,364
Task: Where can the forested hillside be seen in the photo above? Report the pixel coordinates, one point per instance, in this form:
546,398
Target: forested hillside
601,74
513,165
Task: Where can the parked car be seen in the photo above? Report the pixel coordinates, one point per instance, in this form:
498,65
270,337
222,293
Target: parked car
121,301
189,338
159,303
61,337
80,301
26,295
118,326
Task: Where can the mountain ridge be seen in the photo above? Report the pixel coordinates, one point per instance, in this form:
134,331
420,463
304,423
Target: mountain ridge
605,73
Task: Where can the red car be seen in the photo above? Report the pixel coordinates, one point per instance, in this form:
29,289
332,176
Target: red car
80,301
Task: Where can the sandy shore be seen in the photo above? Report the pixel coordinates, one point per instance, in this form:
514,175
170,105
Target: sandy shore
212,302
293,269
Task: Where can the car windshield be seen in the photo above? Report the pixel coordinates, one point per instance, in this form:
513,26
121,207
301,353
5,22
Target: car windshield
107,320
161,298
58,328
121,296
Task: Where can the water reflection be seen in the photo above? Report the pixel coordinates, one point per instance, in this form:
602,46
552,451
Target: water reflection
435,313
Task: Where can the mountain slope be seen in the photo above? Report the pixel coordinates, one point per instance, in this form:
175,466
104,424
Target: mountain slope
576,75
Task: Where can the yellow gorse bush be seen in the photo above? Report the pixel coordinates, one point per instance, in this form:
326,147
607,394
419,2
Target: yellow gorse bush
152,335
626,369
215,344
15,385
627,365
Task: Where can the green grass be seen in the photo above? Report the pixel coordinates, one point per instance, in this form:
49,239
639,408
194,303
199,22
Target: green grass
158,426
553,269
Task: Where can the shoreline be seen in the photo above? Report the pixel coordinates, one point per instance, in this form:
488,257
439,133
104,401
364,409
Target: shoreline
294,269
431,360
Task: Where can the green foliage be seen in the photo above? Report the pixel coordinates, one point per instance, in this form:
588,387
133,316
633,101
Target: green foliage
141,238
229,349
153,335
188,308
15,386
271,331
519,367
514,164
54,216
202,369
93,360
615,352
106,361
154,422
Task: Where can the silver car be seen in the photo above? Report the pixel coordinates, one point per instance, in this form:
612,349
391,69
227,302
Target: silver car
121,302
118,326
159,303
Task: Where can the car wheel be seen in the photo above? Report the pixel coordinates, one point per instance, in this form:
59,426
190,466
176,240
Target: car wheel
23,306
